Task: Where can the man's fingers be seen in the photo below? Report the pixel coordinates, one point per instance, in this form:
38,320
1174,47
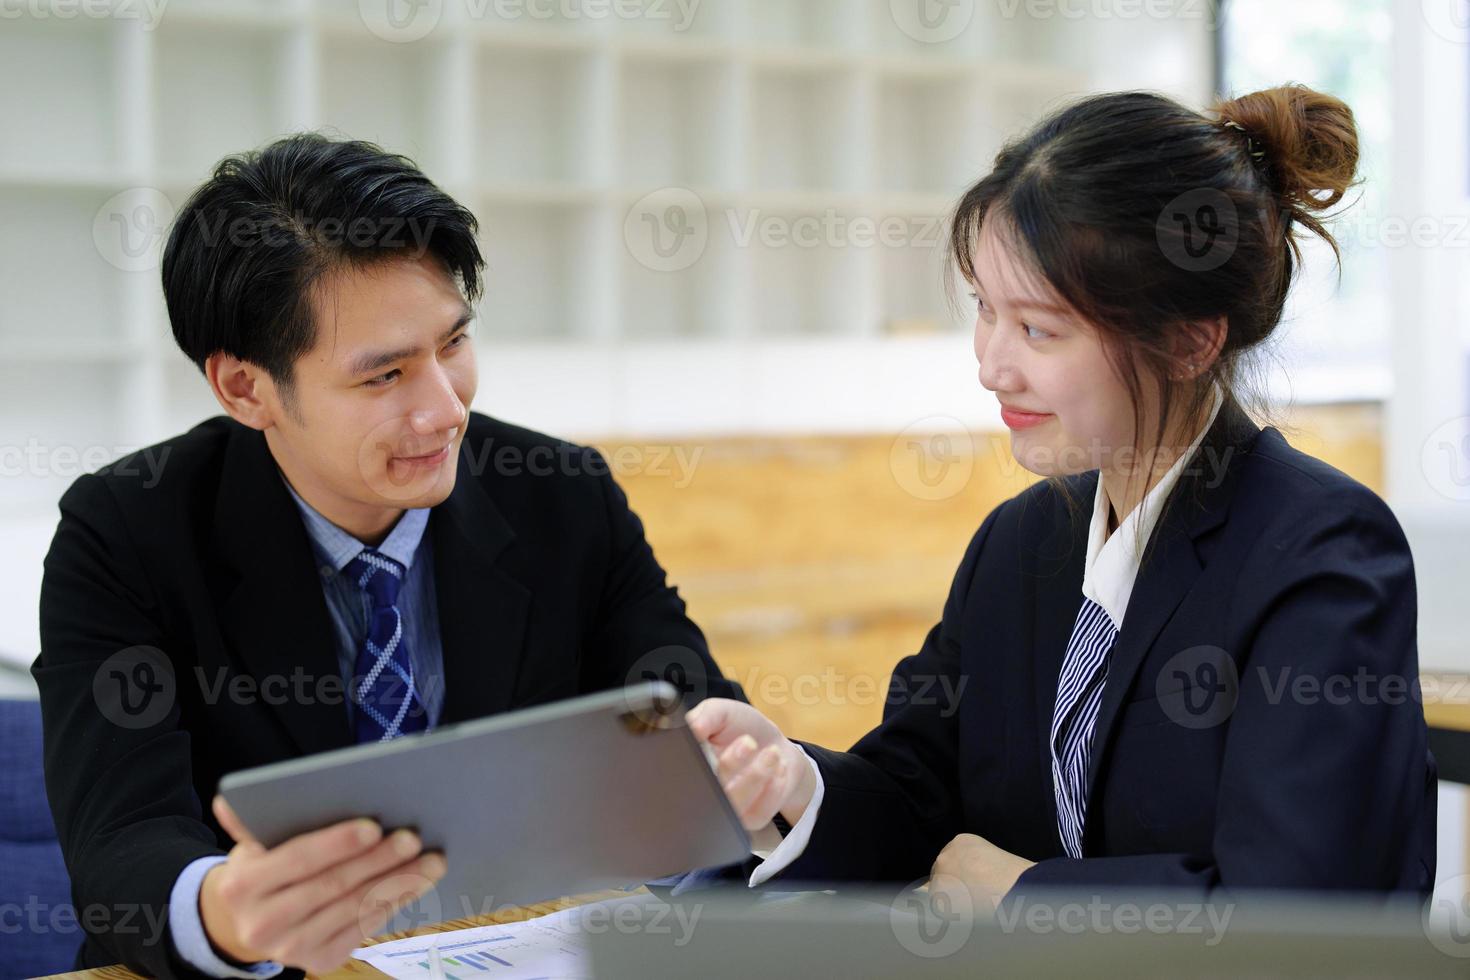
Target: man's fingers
225,814
308,855
396,892
297,903
373,900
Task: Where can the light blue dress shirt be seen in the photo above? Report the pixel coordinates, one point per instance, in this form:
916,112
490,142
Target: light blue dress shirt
333,548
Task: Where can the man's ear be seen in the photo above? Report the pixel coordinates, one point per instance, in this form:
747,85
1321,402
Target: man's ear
1197,345
243,390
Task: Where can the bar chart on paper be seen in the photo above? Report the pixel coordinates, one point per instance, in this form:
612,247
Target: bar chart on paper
550,946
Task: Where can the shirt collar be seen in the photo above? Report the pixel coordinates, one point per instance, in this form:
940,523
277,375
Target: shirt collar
1112,565
336,548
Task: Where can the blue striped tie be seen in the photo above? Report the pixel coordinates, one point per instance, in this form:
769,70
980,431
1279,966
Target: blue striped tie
1079,694
388,703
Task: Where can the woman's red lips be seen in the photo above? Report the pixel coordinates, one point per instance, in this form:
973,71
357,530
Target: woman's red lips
1022,420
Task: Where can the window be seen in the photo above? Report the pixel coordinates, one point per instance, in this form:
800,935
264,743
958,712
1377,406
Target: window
1334,338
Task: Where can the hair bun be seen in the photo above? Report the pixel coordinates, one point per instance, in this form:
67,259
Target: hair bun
1307,141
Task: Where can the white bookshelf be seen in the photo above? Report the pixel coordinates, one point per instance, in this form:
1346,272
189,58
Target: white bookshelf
767,113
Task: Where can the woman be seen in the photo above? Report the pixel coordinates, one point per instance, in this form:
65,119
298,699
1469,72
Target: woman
1207,683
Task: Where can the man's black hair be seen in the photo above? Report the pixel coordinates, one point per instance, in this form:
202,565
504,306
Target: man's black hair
248,247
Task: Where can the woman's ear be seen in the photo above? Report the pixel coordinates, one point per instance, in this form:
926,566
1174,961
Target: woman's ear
1197,345
242,389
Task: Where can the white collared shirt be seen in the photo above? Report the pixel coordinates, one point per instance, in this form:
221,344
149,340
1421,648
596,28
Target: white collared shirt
1113,559
1107,579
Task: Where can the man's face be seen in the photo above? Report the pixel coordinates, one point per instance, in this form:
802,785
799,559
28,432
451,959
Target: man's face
379,405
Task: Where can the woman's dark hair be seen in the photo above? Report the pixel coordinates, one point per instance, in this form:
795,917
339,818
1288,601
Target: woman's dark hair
250,244
1148,217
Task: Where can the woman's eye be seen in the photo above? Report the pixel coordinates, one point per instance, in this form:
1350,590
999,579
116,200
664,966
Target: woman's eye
456,341
1035,333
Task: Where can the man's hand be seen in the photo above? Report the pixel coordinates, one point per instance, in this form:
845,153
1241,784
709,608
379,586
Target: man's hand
977,865
763,772
310,901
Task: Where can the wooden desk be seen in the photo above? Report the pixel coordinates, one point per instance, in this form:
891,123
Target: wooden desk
1447,700
358,969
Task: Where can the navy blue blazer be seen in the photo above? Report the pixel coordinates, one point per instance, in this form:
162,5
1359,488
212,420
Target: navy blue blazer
1259,728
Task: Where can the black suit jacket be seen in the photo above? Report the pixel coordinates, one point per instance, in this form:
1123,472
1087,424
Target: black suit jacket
1280,573
546,589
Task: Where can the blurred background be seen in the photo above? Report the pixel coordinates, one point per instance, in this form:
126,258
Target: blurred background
715,235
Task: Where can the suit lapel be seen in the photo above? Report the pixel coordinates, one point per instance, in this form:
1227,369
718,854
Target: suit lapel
482,609
273,613
1172,564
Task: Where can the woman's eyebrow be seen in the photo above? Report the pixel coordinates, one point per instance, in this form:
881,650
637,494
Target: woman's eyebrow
1023,303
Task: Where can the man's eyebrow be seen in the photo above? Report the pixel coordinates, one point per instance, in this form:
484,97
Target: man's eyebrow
373,360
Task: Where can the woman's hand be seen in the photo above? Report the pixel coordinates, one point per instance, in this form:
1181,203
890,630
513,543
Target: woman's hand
762,771
977,865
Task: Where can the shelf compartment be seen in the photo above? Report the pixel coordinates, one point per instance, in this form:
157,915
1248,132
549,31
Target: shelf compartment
379,91
834,24
532,115
58,286
217,94
71,68
933,135
535,256
674,123
799,141
808,272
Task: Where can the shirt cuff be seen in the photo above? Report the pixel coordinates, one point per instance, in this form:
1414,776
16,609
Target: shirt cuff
793,843
190,940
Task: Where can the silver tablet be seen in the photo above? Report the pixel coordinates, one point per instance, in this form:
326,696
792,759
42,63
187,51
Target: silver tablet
603,791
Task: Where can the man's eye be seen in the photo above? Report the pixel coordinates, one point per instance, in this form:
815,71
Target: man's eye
456,341
383,379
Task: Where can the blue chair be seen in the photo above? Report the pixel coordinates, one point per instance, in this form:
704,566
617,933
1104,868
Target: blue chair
41,934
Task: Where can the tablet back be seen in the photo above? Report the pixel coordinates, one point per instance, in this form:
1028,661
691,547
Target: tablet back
596,792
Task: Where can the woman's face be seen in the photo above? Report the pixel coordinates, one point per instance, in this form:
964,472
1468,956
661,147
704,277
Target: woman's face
1067,409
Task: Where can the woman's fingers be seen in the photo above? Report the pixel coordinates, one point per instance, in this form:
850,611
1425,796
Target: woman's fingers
733,760
766,804
708,718
747,786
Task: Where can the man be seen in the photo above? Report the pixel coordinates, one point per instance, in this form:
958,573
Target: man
349,555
